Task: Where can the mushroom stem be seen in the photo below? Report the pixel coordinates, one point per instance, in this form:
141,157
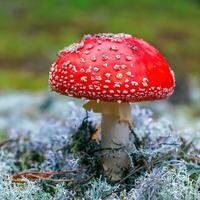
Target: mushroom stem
115,135
116,122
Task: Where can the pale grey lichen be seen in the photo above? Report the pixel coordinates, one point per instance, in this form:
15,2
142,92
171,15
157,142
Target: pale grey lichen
7,161
100,189
165,184
42,131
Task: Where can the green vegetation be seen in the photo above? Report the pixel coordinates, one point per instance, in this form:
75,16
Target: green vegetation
26,80
2,135
33,31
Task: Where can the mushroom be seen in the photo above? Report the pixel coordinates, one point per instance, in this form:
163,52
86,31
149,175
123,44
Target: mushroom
112,70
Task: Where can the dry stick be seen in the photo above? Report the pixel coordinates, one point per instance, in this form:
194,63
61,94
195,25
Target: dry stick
44,172
42,178
30,176
194,158
41,175
4,142
36,177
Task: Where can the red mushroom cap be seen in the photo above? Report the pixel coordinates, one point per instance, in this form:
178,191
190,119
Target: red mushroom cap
112,67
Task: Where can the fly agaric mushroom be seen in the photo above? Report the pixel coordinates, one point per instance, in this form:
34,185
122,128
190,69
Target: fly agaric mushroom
112,70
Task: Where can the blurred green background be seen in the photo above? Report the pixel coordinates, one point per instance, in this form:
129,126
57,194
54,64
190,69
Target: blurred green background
32,32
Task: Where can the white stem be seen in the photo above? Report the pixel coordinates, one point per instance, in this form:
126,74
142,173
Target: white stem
115,134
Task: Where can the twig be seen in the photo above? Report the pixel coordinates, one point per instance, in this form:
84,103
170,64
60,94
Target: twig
40,175
194,158
45,172
136,169
4,142
42,178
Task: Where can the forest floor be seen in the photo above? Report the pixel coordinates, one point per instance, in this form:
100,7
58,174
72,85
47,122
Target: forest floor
46,151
